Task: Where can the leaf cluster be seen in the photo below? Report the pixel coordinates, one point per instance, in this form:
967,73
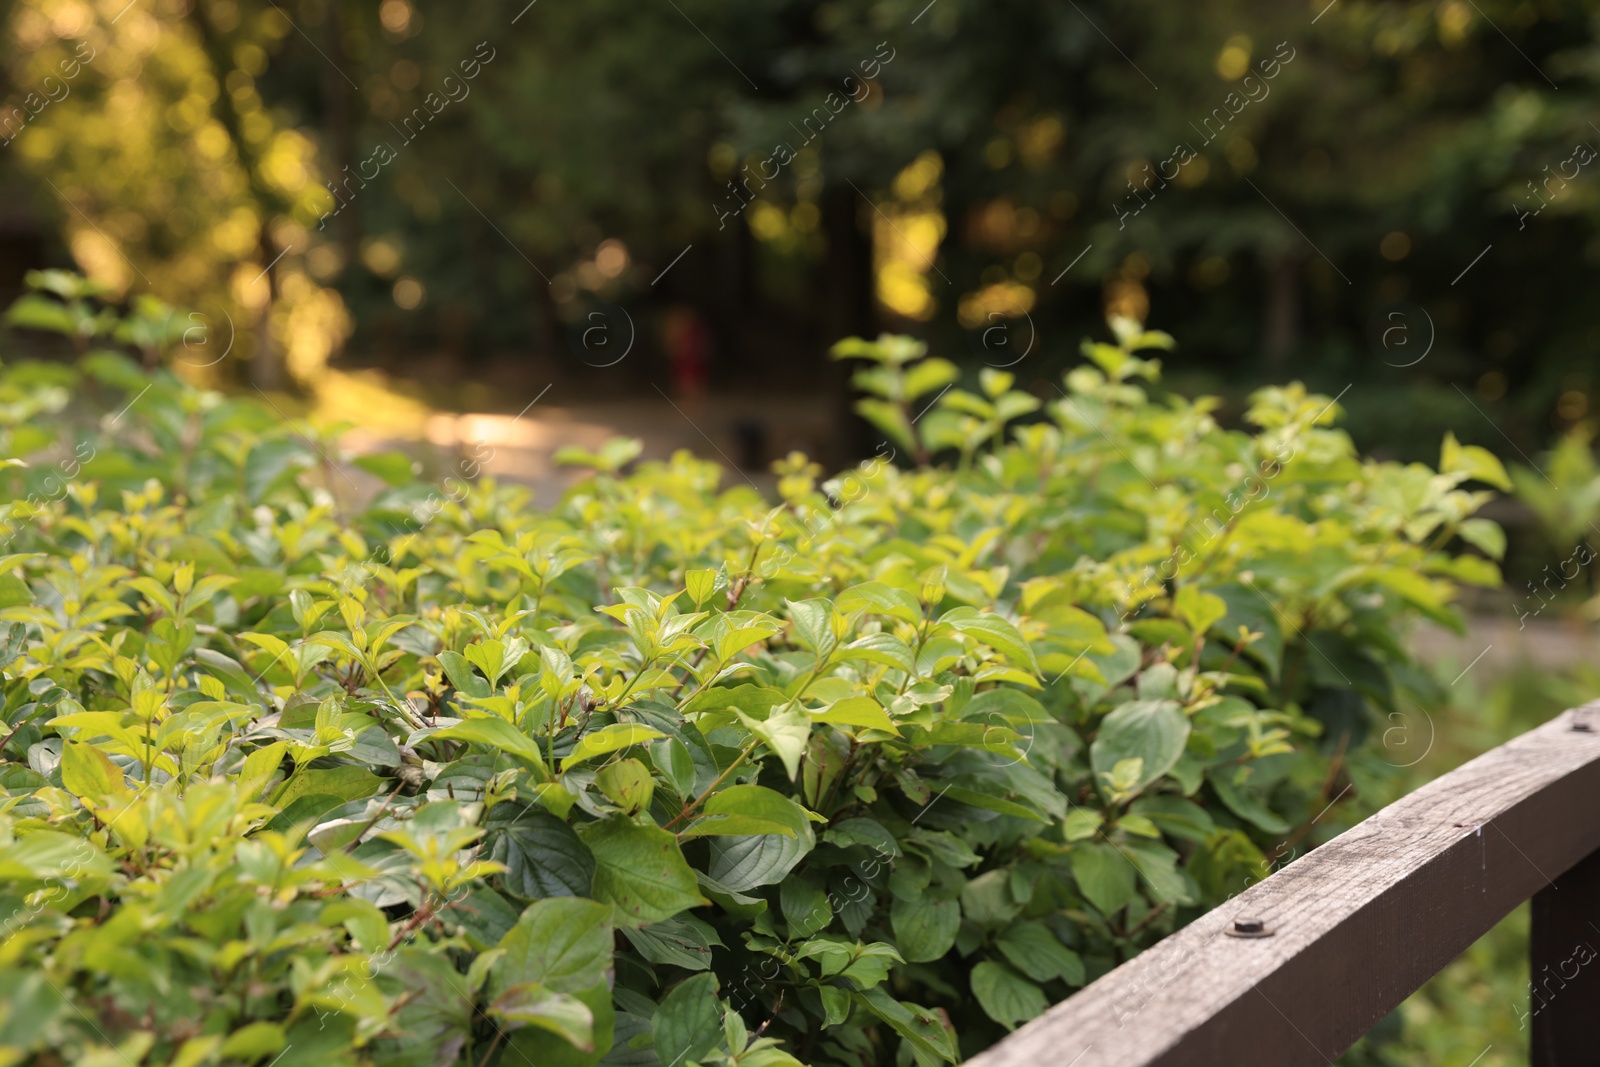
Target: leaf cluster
673,773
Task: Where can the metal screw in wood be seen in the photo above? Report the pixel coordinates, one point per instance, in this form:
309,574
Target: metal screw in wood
1249,928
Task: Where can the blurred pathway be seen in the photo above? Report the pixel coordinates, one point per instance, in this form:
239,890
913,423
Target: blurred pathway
743,433
1494,645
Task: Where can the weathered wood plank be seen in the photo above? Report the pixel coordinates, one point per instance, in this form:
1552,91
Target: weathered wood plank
1359,923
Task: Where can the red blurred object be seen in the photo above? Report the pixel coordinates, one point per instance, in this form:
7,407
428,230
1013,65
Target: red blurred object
688,341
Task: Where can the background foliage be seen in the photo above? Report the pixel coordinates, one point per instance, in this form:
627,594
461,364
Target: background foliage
1392,143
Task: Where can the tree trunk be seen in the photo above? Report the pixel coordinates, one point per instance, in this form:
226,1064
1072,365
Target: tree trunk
1280,323
266,369
341,131
847,297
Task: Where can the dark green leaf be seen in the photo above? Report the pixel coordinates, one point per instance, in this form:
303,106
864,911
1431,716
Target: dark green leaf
543,857
1006,996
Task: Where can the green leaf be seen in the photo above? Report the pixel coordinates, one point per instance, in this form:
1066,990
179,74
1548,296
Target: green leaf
49,854
496,733
1005,706
541,854
1199,609
1247,607
273,462
13,637
745,863
1484,535
882,599
688,1024
254,1041
459,670
1154,731
785,734
259,767
749,809
1177,816
627,784
700,585
857,711
924,929
806,906
871,964
33,311
613,738
883,648
1245,804
1105,877
374,747
562,1014
811,624
1031,948
754,700
368,926
1478,463
1081,824
86,772
740,638
494,658
890,419
395,468
993,631
1115,667
344,783
1158,866
1006,996
671,757
928,375
562,944
545,1046
681,941
865,833
641,870
924,1029
985,795
615,454
230,671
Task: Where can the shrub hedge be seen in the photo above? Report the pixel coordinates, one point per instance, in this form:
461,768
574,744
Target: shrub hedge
863,771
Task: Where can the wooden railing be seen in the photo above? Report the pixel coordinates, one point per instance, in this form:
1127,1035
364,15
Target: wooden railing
1300,965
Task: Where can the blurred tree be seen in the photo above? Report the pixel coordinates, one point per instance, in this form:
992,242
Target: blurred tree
1304,187
169,171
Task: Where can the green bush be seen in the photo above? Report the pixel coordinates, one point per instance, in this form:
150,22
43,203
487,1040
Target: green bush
671,773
